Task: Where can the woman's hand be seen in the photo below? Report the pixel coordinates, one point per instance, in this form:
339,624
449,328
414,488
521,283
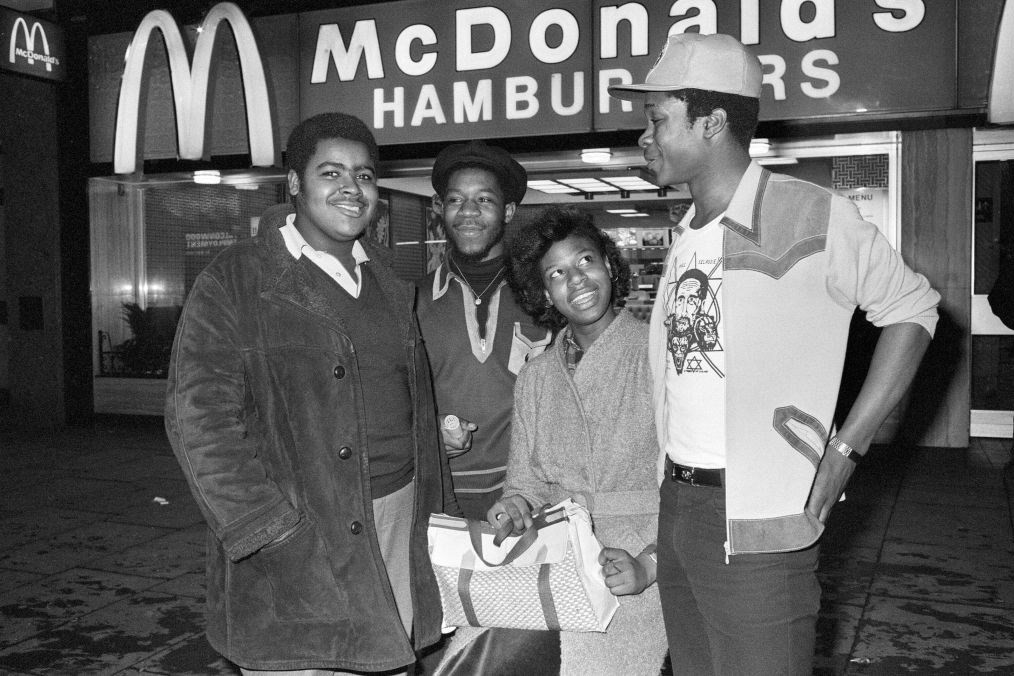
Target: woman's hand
509,515
624,573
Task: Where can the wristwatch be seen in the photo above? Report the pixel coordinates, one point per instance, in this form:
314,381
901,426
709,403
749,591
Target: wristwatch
843,448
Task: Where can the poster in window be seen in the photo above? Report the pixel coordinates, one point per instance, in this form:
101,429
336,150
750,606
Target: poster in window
872,204
436,239
380,229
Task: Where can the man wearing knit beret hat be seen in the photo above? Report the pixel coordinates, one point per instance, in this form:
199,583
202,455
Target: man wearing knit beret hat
476,336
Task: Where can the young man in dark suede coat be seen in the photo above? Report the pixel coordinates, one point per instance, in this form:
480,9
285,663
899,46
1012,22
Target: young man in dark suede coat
301,412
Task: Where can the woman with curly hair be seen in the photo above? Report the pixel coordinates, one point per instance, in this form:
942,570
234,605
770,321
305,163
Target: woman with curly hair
583,428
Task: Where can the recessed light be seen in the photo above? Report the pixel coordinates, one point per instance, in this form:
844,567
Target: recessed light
759,146
596,155
207,176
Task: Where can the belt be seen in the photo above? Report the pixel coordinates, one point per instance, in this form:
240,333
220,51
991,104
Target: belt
694,476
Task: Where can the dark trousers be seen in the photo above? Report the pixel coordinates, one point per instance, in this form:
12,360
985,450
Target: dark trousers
755,615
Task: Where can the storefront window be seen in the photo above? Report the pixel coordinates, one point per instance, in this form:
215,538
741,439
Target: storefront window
149,241
992,362
151,237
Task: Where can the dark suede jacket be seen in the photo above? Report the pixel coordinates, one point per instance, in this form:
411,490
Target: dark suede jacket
265,415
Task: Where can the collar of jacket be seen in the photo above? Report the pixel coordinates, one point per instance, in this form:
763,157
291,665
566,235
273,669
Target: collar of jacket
742,216
292,279
442,278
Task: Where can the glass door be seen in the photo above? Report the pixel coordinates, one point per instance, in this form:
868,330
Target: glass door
992,382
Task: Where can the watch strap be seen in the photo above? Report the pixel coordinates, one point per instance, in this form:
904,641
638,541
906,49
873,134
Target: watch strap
843,448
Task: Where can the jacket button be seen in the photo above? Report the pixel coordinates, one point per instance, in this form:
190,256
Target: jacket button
344,452
339,372
356,528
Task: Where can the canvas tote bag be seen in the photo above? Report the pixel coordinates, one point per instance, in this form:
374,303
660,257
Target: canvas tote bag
547,578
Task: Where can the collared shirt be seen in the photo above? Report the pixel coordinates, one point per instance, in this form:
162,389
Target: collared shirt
297,246
572,351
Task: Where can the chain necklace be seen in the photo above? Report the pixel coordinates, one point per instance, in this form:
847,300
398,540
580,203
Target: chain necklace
478,296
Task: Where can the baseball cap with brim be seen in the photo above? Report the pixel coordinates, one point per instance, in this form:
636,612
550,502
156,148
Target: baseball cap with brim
513,177
718,63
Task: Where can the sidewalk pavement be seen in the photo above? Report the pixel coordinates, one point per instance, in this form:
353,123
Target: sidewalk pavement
102,560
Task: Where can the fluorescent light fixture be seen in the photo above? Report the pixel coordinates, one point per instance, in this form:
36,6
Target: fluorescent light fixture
593,184
246,186
630,183
767,161
596,155
207,176
621,211
552,187
588,184
635,215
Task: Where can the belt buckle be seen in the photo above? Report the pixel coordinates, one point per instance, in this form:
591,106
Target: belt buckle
687,475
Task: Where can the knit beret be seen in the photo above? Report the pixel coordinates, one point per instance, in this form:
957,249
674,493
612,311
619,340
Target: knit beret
513,177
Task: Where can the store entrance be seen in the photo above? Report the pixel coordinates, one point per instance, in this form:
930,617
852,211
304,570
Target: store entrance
992,382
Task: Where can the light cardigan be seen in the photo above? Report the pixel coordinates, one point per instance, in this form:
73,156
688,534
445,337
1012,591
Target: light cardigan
798,260
591,437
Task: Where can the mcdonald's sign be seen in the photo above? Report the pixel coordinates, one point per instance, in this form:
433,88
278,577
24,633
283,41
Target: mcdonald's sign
32,46
190,88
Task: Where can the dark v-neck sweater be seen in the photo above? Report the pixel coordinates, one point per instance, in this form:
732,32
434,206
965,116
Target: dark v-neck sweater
382,357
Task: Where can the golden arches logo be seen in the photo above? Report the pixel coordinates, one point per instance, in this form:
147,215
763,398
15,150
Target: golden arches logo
190,87
29,53
1001,86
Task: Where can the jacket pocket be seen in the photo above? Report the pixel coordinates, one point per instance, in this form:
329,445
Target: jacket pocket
802,431
524,348
303,586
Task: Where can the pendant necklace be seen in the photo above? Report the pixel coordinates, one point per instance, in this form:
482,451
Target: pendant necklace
478,299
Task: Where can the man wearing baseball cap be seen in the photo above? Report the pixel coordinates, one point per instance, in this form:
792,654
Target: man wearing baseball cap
476,337
747,377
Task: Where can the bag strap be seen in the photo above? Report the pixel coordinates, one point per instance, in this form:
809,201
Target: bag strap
524,543
549,613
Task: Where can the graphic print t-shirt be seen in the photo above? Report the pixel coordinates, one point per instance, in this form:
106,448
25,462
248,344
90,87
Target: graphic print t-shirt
695,357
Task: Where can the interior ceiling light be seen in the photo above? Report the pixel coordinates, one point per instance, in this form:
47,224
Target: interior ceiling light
621,211
637,214
777,160
207,176
630,183
759,146
552,187
596,183
596,155
588,184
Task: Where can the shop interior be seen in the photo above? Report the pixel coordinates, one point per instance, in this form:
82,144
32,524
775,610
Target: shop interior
152,234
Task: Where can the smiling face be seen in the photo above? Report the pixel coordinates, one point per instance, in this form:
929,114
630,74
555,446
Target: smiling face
578,282
672,147
336,195
475,213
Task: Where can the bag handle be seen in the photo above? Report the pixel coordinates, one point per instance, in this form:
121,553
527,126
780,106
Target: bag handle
540,520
